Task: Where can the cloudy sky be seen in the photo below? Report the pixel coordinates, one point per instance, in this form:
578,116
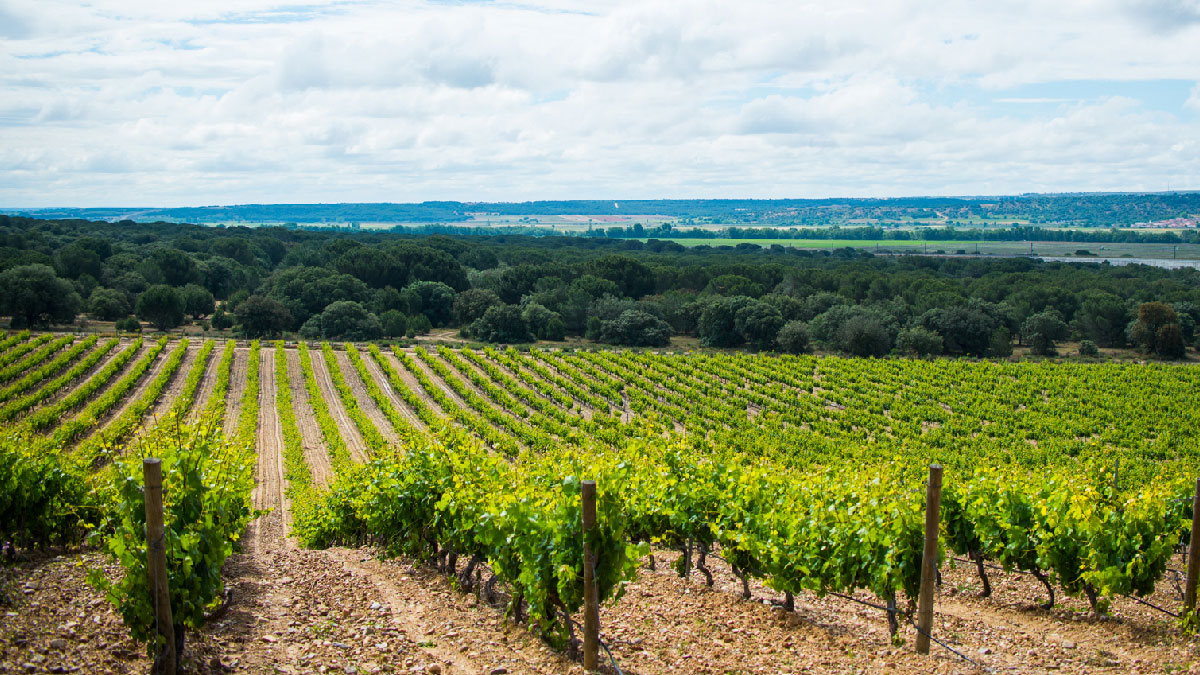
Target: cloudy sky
145,102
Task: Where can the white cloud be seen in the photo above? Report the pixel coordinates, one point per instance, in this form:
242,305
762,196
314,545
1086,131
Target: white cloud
146,102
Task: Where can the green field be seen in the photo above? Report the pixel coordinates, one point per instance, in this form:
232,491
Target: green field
1051,248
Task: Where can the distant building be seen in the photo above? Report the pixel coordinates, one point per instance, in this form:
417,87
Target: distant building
1174,223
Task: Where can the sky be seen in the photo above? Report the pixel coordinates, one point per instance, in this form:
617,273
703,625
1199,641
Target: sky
151,103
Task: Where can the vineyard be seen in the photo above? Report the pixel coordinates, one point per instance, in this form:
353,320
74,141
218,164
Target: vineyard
755,513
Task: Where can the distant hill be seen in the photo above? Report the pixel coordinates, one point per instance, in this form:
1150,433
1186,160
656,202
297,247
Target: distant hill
1086,209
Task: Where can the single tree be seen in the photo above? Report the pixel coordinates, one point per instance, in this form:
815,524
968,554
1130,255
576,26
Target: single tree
472,303
161,305
198,301
759,324
1040,331
350,321
538,318
108,304
1148,330
394,323
864,335
502,323
260,316
34,296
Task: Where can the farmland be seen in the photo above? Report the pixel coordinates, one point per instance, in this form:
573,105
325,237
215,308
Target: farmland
781,479
970,247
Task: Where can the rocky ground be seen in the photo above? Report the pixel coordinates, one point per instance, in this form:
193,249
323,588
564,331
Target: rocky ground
347,611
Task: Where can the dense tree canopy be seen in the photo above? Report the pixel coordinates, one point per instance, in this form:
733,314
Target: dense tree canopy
728,296
502,323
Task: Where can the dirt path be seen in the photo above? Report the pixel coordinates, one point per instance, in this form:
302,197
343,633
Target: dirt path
664,620
340,610
237,386
365,403
268,531
463,634
359,451
310,432
207,383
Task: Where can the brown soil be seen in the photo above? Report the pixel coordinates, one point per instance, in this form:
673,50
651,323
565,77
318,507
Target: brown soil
207,383
359,451
237,386
310,432
174,387
365,403
665,621
295,610
269,530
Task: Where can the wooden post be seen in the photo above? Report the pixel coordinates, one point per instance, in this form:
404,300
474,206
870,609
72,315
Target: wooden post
1193,570
933,503
156,564
591,600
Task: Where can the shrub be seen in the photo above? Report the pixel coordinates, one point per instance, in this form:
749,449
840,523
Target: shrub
1089,349
793,338
919,341
636,329
221,320
128,325
394,323
419,324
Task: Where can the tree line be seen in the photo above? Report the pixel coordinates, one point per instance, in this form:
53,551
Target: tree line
265,282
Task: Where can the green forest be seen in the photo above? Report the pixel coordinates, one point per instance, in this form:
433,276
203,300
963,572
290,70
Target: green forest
340,284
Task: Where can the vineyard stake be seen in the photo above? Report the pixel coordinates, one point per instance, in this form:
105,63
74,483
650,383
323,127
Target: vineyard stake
591,603
1193,570
933,502
156,566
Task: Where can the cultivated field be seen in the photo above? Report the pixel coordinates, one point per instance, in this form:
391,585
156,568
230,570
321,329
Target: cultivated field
971,247
767,480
